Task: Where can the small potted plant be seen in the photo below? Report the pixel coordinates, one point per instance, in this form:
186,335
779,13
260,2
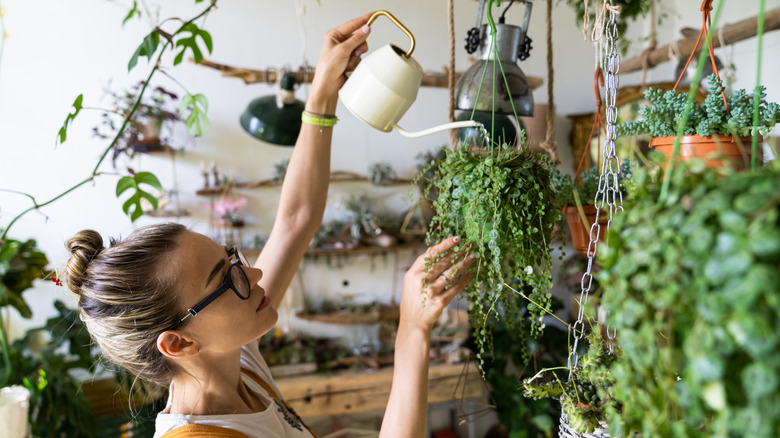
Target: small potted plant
157,108
504,206
578,203
719,125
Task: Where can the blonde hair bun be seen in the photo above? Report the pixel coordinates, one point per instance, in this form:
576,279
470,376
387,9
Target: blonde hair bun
83,248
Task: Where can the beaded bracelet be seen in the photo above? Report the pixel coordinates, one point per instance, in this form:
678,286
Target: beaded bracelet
326,120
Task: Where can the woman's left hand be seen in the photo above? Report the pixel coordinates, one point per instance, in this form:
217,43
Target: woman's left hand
340,54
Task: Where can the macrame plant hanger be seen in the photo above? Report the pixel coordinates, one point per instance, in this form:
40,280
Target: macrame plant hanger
608,199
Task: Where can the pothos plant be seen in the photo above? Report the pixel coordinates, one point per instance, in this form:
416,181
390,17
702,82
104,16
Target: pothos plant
662,116
690,283
504,205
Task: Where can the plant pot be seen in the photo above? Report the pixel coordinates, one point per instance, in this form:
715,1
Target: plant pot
715,151
580,232
14,404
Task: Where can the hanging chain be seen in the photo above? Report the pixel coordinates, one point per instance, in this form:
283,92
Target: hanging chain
608,198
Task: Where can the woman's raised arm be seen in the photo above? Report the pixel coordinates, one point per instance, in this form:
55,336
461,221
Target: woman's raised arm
305,187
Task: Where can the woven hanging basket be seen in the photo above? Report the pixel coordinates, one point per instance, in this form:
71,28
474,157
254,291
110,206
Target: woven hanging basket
565,431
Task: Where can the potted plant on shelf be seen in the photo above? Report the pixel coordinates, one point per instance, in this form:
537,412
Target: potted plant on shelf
578,203
504,205
718,126
156,109
690,281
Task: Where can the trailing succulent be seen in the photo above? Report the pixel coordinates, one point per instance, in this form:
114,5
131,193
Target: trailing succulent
661,117
691,284
585,397
504,205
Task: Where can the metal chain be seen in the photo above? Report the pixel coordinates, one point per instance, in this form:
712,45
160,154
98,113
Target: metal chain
608,197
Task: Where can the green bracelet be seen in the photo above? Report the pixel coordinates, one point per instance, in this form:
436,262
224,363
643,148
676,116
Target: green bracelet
319,121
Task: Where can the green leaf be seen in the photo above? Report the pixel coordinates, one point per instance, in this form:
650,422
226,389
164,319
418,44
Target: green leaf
147,48
191,42
63,133
133,12
197,120
134,182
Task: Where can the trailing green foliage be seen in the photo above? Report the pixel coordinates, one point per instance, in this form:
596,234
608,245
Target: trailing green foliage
691,285
504,205
585,397
504,370
21,263
666,109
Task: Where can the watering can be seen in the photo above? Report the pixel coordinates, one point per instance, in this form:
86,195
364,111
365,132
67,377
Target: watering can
384,85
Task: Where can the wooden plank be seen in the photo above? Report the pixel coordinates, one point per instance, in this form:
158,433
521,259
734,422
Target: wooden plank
732,33
251,76
354,391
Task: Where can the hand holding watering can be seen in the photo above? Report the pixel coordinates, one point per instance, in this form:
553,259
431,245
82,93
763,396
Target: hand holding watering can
384,85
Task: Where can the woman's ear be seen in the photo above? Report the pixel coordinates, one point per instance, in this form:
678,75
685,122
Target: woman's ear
172,344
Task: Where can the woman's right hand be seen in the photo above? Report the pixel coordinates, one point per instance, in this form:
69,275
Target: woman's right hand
340,54
426,292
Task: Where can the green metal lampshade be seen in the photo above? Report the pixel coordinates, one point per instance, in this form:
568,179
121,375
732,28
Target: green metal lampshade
275,119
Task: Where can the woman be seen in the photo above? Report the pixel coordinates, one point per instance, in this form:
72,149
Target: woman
176,308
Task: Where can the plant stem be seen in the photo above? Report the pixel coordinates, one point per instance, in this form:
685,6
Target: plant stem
757,91
5,350
533,302
119,133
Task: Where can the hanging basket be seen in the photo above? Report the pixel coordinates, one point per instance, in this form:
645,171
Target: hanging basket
565,430
580,232
716,151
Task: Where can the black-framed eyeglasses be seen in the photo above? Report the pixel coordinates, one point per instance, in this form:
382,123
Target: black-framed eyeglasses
235,280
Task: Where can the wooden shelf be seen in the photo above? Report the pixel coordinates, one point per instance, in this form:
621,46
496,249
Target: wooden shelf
368,250
350,391
336,177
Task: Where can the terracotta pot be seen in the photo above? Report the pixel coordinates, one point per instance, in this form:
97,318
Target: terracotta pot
580,232
715,150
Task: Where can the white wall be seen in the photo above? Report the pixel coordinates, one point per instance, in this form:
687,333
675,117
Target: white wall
57,50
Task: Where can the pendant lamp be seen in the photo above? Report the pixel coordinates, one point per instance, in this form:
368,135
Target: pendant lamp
475,88
275,119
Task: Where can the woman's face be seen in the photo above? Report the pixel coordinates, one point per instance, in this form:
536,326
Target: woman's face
228,322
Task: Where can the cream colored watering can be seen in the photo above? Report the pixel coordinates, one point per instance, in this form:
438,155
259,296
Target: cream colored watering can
384,85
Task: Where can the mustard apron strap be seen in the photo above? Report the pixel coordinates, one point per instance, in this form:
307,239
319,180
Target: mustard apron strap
203,431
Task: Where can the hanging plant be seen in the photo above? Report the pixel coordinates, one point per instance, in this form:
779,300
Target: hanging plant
691,286
504,206
712,126
585,397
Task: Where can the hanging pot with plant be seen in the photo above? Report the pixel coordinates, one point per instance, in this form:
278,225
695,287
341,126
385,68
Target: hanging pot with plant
716,130
504,206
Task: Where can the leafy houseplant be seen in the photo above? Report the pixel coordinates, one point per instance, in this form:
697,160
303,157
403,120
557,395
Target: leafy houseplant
711,118
693,296
585,397
155,109
504,206
505,369
58,407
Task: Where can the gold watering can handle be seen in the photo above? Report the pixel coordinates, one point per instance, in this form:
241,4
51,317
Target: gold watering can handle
397,23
